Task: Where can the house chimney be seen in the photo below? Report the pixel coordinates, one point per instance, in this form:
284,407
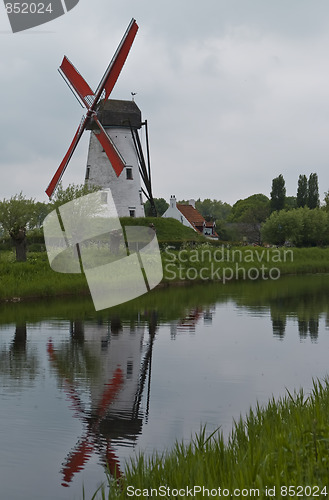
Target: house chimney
192,202
173,201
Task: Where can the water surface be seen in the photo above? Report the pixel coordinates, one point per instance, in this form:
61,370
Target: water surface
80,390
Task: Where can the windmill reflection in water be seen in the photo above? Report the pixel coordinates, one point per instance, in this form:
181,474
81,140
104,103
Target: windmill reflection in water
122,359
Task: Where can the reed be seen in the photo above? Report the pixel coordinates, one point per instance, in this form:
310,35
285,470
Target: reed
283,444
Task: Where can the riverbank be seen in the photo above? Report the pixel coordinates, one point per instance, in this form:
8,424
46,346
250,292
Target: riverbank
277,451
202,263
35,279
224,263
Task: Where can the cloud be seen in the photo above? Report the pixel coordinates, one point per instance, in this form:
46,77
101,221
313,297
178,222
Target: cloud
235,93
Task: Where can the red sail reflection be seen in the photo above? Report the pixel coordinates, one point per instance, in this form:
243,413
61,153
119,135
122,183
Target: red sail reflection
81,453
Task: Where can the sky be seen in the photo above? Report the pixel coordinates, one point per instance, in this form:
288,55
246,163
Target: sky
235,93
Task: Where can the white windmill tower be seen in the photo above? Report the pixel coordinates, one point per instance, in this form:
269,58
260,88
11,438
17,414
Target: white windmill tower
115,159
121,120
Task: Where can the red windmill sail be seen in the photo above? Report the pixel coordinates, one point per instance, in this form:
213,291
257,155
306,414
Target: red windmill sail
75,80
90,100
114,69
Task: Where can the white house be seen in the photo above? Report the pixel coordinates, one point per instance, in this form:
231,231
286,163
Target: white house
190,217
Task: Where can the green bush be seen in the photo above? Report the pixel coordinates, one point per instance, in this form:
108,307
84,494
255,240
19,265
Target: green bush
300,226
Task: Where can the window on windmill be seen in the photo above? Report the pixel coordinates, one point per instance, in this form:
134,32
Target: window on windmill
140,198
129,173
130,368
131,212
87,172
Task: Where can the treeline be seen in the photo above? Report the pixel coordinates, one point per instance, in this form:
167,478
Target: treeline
278,219
307,193
301,222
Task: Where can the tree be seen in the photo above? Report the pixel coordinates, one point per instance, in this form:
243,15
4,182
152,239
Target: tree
315,228
302,191
213,210
73,191
300,226
290,203
160,204
39,215
313,200
282,226
254,209
17,215
326,201
250,213
81,215
278,193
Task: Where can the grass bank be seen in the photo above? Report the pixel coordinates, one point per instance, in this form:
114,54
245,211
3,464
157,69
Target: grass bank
303,297
198,264
35,278
276,447
223,263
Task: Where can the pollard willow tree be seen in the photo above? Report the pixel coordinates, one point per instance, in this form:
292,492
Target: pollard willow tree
17,215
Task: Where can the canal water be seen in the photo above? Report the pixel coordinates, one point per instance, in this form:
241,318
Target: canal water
81,390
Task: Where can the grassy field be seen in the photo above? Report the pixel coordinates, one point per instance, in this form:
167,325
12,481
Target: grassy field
277,451
202,263
35,278
186,257
167,229
205,262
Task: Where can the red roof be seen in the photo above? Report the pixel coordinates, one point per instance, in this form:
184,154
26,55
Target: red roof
191,214
195,218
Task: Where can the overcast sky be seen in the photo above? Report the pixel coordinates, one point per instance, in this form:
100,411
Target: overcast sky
235,92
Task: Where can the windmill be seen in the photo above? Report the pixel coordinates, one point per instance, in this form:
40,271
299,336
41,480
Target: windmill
115,157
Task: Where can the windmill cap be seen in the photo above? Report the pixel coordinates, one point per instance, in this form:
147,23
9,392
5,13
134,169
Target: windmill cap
117,113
